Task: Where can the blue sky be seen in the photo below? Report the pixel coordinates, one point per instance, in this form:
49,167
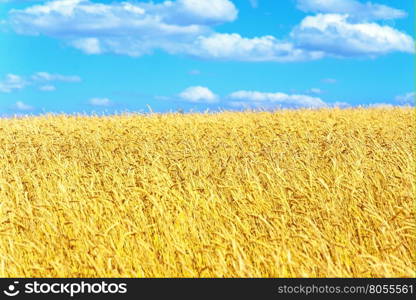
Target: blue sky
111,56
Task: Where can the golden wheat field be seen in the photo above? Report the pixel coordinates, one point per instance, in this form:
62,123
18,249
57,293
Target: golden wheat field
307,193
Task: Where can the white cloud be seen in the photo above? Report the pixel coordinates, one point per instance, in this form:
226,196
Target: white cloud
245,99
22,106
12,82
315,91
380,105
235,47
202,11
100,102
340,105
194,72
255,99
334,35
88,45
125,28
47,88
329,80
354,9
407,99
199,94
185,27
44,76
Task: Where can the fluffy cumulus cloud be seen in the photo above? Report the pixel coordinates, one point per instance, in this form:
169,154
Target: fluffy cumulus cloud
89,45
341,28
407,99
255,99
100,102
235,47
339,37
205,12
198,94
124,28
12,82
354,9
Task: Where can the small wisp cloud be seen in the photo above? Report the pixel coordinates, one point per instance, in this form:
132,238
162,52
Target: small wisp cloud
22,106
100,102
13,82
